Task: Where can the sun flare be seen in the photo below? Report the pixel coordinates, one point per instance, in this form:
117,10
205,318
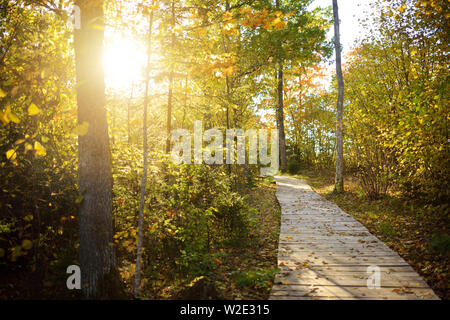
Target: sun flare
124,61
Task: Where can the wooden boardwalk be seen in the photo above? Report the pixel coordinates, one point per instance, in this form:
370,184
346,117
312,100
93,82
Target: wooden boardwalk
324,253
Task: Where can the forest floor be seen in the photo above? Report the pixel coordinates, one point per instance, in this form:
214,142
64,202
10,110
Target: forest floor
409,227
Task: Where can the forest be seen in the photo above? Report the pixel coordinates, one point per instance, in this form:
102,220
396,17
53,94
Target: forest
92,92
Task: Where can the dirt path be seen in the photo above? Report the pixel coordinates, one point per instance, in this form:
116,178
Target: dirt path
324,253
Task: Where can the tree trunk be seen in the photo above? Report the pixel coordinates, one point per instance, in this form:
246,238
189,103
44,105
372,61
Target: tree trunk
280,119
137,278
130,101
280,111
170,96
97,254
339,179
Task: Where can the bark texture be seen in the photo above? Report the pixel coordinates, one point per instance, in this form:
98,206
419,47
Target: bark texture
280,119
97,254
339,179
280,109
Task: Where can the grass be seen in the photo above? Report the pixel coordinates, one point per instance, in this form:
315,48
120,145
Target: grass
418,232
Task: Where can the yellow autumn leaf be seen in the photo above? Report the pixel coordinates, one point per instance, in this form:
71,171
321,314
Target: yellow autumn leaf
33,109
154,7
244,10
227,16
40,150
20,141
278,24
11,154
4,117
201,31
82,129
13,117
2,93
28,147
276,21
176,29
230,30
228,71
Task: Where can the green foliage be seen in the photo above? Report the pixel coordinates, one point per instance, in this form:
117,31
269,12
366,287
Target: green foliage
261,278
396,91
386,229
440,242
293,166
191,212
312,121
38,213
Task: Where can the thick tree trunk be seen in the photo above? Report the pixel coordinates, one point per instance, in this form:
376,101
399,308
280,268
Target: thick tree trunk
339,179
97,254
280,119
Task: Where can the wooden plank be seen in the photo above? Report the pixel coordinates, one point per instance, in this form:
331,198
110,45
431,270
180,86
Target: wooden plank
332,272
355,268
319,279
353,291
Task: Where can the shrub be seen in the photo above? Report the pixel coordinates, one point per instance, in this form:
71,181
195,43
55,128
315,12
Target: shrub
293,166
440,242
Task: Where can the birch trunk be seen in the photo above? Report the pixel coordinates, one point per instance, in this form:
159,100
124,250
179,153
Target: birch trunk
339,179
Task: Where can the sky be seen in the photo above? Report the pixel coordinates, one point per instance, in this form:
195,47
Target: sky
349,12
350,29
